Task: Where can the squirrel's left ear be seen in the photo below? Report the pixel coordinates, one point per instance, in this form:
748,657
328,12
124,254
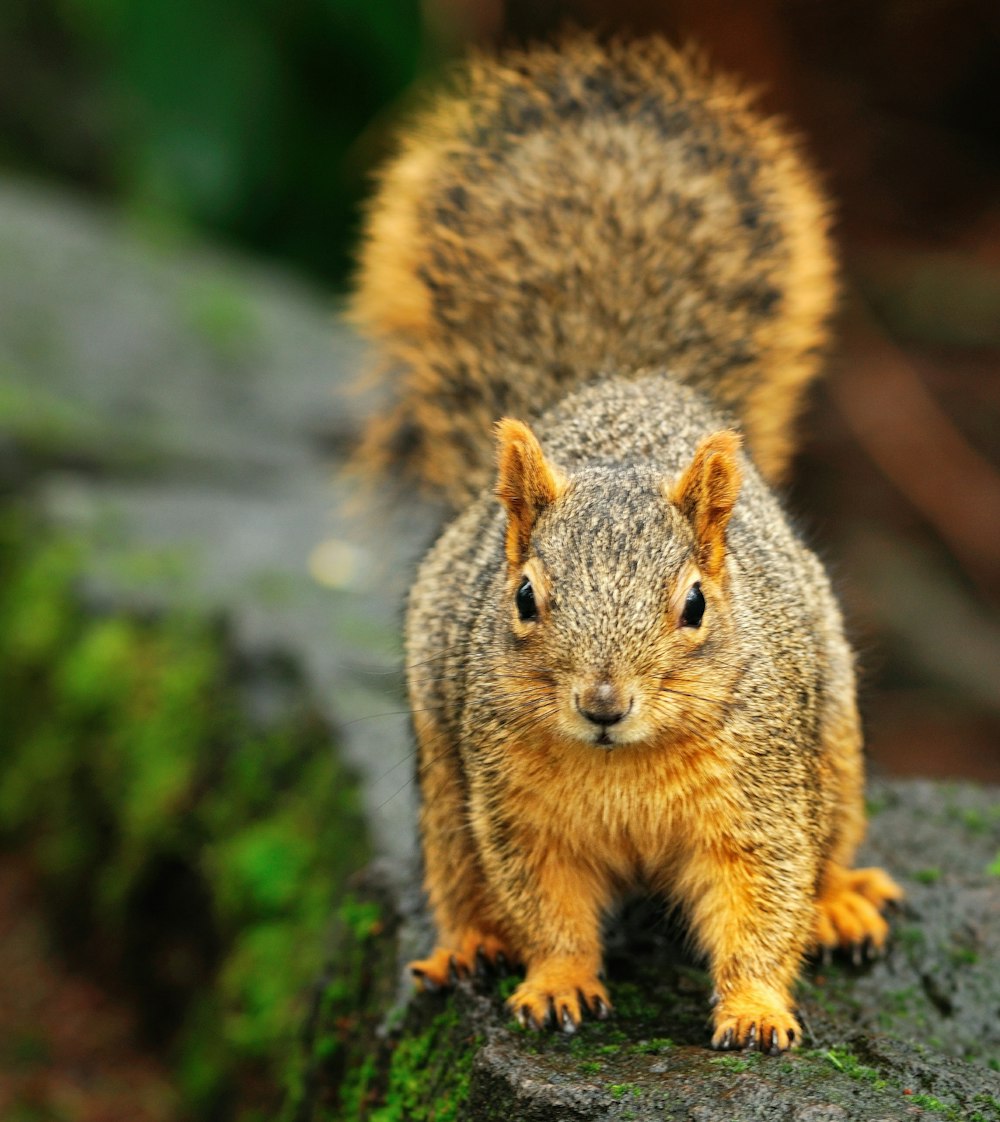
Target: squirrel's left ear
706,494
526,484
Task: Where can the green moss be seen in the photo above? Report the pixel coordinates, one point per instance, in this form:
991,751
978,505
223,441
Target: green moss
506,987
963,956
976,820
590,1067
875,804
429,1073
653,1047
620,1090
131,759
927,876
993,868
850,1065
740,1063
223,315
631,1002
929,1102
991,1104
912,937
356,1089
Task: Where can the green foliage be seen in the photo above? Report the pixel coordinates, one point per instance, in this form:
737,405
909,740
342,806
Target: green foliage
128,751
245,118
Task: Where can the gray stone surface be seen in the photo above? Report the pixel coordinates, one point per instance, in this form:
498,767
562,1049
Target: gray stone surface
914,1034
187,414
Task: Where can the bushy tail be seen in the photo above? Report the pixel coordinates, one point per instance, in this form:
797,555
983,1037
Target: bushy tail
588,211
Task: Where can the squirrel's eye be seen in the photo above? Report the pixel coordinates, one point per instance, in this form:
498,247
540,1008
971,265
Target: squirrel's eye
694,607
525,601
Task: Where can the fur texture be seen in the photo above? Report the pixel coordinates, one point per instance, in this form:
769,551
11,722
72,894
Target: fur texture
625,670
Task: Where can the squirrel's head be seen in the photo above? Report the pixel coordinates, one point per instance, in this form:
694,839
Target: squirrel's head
617,606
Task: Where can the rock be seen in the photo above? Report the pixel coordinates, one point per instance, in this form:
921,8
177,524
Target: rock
913,1034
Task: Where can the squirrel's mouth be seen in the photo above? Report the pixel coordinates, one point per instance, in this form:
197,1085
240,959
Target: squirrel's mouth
603,739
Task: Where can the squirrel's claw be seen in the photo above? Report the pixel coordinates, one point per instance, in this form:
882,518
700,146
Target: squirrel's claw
725,1042
764,1029
600,1008
557,1000
527,1019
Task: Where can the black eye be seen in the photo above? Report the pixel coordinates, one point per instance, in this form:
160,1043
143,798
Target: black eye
694,607
525,601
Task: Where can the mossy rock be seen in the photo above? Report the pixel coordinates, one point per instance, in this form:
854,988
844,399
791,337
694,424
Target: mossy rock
913,1034
189,818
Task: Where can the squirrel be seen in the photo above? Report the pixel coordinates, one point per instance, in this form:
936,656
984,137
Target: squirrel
604,280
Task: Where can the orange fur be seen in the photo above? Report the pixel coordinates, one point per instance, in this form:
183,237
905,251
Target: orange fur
707,493
527,484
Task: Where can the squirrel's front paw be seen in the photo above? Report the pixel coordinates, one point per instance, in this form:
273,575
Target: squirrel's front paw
755,1022
555,995
477,954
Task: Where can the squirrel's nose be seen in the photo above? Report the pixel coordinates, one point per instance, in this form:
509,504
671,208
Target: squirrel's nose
603,704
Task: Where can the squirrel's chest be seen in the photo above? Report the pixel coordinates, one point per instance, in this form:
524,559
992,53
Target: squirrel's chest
627,811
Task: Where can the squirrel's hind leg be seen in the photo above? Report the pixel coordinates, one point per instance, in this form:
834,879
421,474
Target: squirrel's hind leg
850,901
849,910
470,939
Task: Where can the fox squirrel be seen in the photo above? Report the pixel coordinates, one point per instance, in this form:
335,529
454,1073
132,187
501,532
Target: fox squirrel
624,667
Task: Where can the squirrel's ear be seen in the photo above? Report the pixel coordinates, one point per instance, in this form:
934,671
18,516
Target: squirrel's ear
706,494
526,484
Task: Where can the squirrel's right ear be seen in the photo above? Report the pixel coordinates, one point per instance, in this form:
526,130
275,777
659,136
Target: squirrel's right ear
526,484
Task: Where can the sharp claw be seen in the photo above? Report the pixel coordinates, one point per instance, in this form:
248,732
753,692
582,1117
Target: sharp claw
568,1024
774,1049
524,1017
726,1042
601,1010
751,1037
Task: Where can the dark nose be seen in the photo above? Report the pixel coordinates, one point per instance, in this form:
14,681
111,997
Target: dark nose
603,705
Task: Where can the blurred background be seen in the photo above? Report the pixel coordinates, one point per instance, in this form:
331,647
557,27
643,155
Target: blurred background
252,126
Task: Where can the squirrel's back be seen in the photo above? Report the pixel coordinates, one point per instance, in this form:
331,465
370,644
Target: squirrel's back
569,214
